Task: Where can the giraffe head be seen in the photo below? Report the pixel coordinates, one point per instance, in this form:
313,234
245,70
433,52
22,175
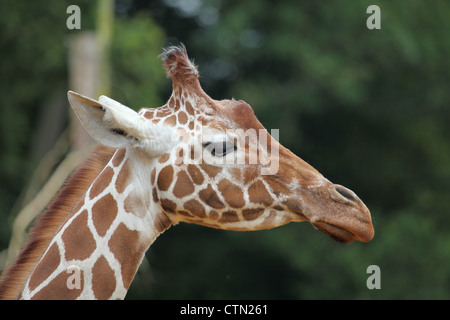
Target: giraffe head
213,163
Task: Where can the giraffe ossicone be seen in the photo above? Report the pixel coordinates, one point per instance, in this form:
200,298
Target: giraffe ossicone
195,160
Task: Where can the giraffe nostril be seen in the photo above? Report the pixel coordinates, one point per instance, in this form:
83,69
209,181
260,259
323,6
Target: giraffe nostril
343,194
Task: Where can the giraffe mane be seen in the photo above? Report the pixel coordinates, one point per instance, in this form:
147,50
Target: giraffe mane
49,221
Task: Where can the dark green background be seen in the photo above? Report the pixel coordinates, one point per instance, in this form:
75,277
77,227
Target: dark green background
368,108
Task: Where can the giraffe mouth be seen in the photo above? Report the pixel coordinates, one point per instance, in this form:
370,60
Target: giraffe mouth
335,232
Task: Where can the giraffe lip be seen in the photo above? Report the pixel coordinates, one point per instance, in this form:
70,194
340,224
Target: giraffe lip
335,232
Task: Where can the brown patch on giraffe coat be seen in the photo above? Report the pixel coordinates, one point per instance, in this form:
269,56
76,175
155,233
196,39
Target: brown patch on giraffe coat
252,214
155,195
153,176
182,117
195,207
184,213
210,170
118,157
104,212
209,196
57,289
195,174
102,181
277,187
46,267
149,114
213,215
78,241
249,175
137,205
103,279
168,205
170,121
171,102
229,216
165,178
189,108
179,156
128,250
163,112
236,174
162,222
183,185
192,153
123,177
164,158
232,193
258,193
128,203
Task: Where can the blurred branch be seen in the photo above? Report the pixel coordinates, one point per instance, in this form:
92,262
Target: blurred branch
84,60
105,20
43,171
89,72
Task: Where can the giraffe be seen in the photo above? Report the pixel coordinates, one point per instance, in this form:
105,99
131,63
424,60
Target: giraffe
195,160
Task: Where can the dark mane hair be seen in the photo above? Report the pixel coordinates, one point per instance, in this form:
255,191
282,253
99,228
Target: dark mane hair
14,277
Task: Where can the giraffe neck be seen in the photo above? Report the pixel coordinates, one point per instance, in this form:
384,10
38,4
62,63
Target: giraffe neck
97,251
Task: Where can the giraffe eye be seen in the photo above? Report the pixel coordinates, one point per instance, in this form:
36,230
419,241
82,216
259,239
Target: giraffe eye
220,148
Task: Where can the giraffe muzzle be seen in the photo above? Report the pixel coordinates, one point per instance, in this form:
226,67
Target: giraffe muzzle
352,220
346,218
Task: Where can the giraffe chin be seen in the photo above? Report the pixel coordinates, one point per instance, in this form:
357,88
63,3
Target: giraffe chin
336,233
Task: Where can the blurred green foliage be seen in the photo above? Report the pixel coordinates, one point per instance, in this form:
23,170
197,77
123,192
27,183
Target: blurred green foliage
368,108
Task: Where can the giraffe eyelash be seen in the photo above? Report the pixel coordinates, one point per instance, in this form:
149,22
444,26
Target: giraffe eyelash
220,148
122,133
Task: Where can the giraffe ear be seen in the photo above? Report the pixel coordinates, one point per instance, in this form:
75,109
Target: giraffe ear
107,121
